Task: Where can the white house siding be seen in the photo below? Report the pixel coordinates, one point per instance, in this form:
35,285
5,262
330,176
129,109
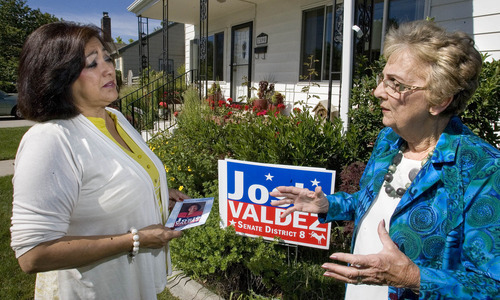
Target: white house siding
282,21
189,36
478,18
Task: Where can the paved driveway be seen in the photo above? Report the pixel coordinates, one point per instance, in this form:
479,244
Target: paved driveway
12,122
7,166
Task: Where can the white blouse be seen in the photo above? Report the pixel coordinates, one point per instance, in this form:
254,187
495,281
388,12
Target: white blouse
367,239
71,180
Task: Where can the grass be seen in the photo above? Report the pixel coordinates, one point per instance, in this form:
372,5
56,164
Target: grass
10,138
15,283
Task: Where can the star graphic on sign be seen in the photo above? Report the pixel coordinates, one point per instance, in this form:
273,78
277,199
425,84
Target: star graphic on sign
269,177
315,182
233,223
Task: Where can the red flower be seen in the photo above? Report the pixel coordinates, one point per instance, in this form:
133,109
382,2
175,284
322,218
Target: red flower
163,104
281,105
262,113
229,100
176,114
296,109
247,107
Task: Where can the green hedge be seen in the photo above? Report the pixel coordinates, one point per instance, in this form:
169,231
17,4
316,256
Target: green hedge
237,266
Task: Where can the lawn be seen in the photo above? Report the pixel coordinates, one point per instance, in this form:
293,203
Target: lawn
15,283
10,138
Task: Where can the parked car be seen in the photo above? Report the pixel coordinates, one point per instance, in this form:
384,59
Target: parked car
8,105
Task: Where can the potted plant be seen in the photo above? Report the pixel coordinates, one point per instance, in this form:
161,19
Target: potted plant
163,110
276,101
264,94
214,94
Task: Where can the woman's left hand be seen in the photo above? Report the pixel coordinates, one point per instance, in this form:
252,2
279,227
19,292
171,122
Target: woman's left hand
388,267
175,196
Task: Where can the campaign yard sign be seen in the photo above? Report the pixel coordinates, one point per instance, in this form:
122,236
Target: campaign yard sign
245,203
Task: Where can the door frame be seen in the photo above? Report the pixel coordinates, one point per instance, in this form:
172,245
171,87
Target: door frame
250,57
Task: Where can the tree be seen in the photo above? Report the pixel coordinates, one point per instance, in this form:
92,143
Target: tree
18,21
119,40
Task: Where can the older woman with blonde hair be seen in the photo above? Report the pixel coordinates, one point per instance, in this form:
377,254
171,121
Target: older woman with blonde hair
427,216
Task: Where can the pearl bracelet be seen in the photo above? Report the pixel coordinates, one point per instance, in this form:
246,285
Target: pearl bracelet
135,237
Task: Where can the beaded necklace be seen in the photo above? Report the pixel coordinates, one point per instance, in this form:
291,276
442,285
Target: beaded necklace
388,177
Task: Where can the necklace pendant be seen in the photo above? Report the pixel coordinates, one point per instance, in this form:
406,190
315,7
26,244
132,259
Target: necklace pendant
413,173
388,177
400,192
397,158
389,189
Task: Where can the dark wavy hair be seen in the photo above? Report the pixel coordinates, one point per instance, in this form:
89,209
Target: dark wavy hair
52,59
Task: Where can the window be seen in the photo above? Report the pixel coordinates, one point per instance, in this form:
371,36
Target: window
215,57
399,11
317,26
318,23
170,65
118,63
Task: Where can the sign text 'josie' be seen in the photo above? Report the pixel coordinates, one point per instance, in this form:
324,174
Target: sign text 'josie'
245,203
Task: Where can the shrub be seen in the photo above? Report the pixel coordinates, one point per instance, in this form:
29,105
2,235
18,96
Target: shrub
365,116
190,155
207,133
482,114
299,139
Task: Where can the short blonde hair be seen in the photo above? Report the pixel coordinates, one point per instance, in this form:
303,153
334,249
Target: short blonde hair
453,61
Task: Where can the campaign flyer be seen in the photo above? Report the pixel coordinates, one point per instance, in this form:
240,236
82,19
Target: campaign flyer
190,213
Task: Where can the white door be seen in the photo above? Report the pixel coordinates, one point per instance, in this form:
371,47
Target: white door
241,60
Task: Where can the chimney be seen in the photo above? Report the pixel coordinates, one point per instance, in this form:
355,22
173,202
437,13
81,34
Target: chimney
106,27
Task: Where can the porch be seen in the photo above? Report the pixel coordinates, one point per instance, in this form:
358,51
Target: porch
233,41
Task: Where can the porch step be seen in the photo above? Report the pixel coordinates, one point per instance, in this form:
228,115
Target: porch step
159,126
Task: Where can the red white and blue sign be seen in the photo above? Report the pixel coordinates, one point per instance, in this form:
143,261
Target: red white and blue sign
245,203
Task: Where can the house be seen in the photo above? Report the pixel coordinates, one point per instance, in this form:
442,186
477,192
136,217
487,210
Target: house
233,41
128,59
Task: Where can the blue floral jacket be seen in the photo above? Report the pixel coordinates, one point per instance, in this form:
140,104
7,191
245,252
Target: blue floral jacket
448,221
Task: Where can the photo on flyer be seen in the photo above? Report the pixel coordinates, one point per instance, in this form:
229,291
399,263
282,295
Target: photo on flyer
190,213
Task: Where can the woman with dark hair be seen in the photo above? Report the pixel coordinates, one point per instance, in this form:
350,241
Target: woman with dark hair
193,210
90,197
427,215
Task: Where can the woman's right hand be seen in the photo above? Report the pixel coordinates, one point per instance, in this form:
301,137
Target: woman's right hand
301,198
156,236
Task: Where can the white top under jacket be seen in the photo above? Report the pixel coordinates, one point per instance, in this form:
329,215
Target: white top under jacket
72,180
368,240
